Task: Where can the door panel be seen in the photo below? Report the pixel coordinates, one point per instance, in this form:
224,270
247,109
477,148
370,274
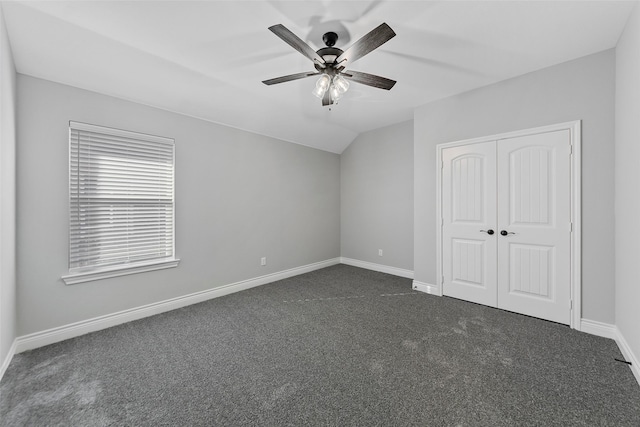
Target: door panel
469,180
469,260
534,208
531,201
532,272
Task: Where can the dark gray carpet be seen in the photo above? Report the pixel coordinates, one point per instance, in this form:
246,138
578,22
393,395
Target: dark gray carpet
339,346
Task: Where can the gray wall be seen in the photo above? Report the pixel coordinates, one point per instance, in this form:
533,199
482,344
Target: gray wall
7,195
580,89
377,197
627,178
239,196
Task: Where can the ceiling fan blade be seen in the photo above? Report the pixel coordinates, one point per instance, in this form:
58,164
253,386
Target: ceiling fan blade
369,79
370,41
288,78
295,42
326,99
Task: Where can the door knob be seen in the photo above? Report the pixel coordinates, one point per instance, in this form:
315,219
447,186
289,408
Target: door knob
489,232
505,232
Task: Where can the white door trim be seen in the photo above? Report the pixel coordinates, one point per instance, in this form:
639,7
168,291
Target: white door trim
574,128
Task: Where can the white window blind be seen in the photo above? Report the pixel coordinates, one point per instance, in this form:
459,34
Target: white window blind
121,187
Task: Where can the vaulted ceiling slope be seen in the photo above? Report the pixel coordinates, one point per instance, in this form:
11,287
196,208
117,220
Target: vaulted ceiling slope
207,58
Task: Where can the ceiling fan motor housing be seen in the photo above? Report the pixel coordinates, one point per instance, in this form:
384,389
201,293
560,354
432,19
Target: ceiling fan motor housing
329,54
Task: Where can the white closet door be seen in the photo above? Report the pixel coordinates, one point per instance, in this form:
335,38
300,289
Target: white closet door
534,203
469,212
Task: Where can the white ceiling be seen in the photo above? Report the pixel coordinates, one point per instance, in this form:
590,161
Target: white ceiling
207,59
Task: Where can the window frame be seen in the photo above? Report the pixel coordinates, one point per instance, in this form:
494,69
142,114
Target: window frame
96,272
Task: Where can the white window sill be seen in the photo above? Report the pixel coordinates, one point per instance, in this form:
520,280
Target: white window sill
74,278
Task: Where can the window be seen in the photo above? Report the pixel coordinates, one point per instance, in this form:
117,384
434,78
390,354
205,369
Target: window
121,203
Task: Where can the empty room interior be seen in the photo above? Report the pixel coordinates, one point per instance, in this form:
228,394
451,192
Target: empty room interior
319,213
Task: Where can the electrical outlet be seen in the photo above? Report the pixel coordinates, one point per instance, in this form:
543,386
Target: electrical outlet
379,252
263,260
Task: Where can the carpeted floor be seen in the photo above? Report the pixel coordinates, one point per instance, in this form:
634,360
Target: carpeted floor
336,347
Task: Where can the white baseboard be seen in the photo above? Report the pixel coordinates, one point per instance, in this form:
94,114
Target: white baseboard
607,330
628,355
600,329
427,288
61,333
7,359
378,267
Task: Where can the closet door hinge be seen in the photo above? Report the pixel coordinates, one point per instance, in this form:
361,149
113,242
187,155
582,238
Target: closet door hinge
442,280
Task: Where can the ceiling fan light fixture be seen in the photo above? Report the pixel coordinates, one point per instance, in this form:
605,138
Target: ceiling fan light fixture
319,91
322,85
341,83
335,93
323,82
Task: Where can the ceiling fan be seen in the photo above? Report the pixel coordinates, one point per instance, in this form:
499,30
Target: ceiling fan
330,62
